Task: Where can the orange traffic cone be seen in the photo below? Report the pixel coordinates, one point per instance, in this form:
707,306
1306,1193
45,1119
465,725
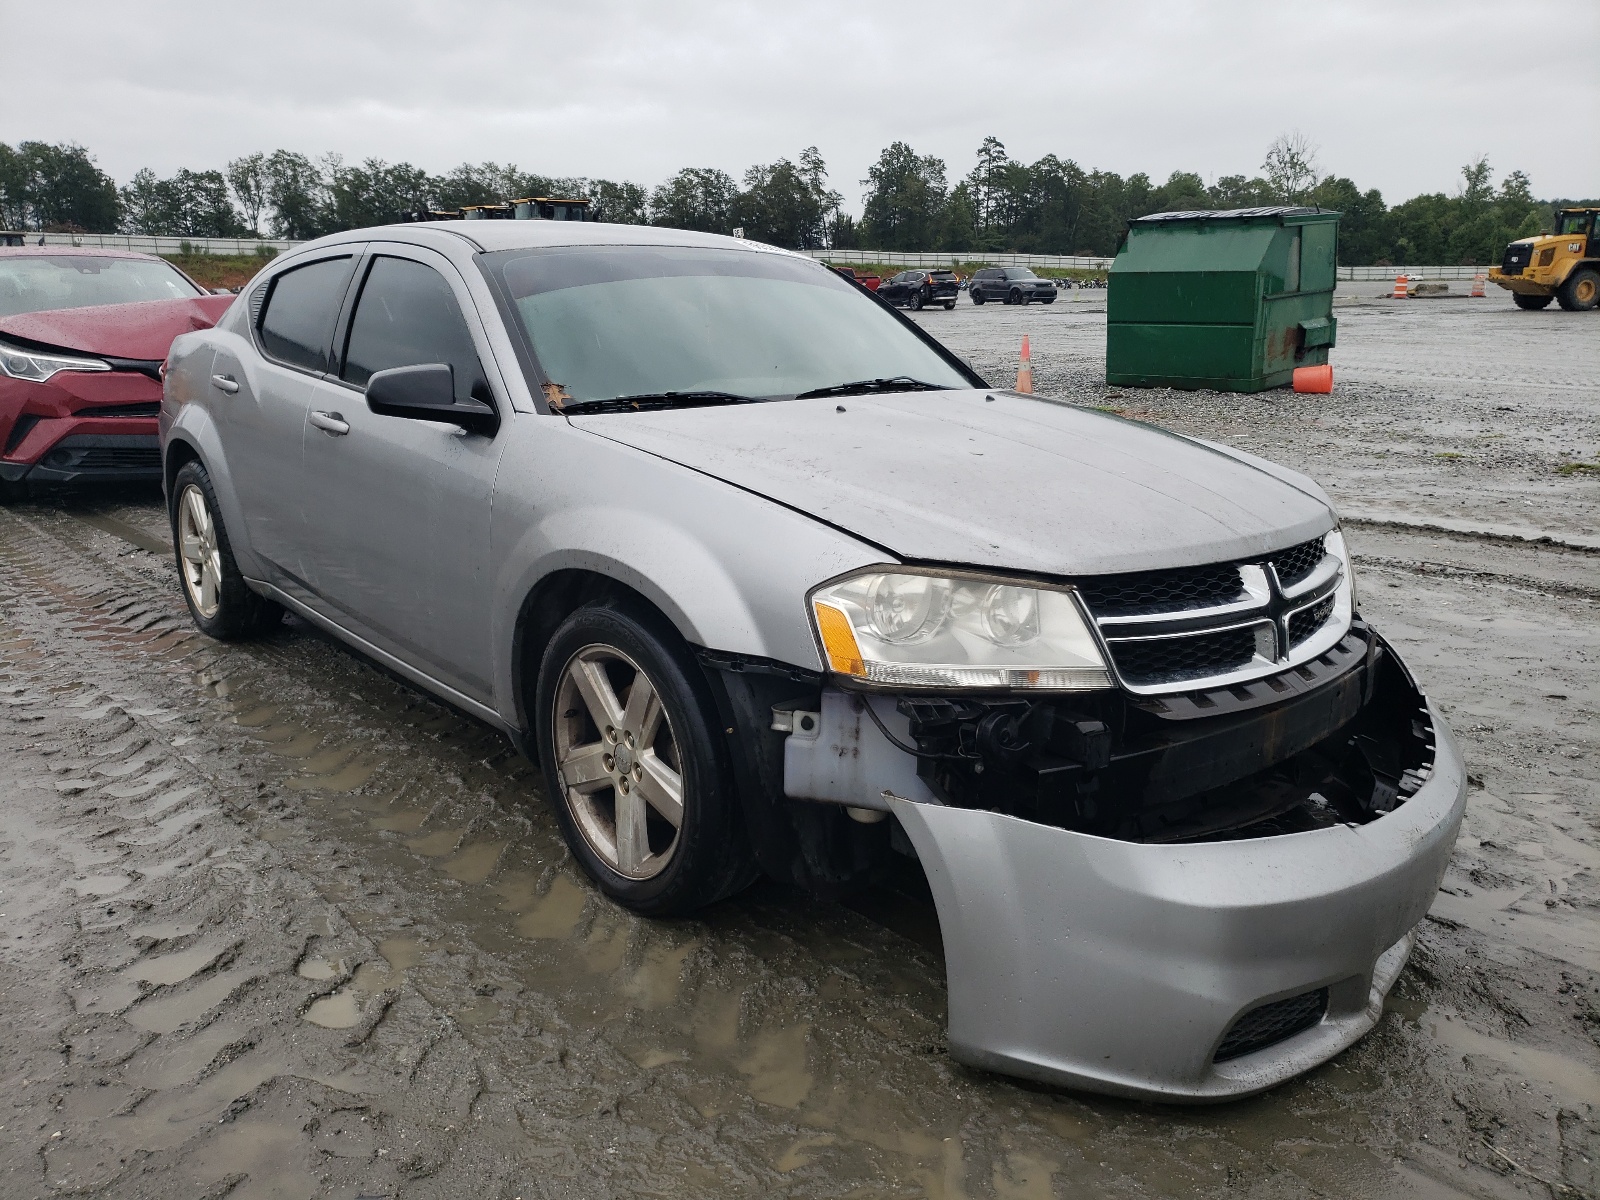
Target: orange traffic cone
1025,371
1477,286
1400,292
1314,379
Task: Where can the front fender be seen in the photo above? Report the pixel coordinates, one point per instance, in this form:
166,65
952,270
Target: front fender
728,568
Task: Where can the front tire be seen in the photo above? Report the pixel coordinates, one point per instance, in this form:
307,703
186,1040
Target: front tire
1581,291
219,600
634,762
977,297
13,491
1016,297
1531,303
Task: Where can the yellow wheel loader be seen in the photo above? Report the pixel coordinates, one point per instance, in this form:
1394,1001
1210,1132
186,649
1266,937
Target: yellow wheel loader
1563,266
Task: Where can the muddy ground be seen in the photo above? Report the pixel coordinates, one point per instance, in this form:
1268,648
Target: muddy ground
273,923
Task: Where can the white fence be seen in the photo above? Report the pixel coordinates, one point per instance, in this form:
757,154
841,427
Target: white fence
888,258
157,245
946,258
1366,274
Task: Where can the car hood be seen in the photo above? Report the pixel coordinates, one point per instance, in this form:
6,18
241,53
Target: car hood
143,330
1009,482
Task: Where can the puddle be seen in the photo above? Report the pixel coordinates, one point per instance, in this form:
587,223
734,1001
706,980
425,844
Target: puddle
401,953
99,885
346,780
168,1012
557,913
336,1011
319,969
401,822
480,1012
475,863
168,1063
776,1065
436,845
173,968
1562,1072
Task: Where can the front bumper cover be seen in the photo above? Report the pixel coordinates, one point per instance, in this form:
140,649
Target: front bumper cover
1118,967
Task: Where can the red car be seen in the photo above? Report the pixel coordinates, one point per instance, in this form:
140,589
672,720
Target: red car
870,282
83,334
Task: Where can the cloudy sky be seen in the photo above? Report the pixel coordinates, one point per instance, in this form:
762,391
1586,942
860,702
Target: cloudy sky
1397,94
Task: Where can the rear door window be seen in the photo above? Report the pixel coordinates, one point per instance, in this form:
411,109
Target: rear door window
296,325
407,316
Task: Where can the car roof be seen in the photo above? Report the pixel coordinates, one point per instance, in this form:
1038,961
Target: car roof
76,252
490,236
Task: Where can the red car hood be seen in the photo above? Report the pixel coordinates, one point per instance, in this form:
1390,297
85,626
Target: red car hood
143,330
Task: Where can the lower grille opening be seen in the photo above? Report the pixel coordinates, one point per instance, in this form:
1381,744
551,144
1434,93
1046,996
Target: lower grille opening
1167,660
105,458
1272,1023
151,408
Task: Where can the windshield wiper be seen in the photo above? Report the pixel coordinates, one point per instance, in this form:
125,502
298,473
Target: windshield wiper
654,400
898,383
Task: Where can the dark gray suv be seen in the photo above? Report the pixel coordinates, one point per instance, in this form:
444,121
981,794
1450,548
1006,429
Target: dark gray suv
1010,285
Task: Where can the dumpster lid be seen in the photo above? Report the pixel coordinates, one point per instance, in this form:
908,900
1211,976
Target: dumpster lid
1201,214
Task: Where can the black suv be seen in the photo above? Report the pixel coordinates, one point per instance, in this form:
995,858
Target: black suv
920,289
1011,285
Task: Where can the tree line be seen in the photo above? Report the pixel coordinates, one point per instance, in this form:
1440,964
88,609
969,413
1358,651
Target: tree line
1052,206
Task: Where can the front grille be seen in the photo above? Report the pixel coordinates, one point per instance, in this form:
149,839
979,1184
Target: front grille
1223,623
1176,659
1272,1023
1518,256
1295,563
151,408
1163,591
1308,620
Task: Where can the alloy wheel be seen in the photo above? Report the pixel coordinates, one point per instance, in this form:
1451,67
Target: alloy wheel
618,761
202,557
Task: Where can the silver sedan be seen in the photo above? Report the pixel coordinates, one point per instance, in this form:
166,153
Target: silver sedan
767,580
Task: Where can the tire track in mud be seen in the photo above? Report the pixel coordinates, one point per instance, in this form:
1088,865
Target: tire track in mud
776,1046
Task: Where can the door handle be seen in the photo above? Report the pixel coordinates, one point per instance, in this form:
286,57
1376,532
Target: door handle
330,423
225,383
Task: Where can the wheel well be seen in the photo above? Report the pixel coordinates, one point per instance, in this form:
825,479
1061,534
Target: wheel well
178,453
556,597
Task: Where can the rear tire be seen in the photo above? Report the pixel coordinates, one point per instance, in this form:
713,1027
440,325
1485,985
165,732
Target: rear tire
1581,291
916,300
638,762
219,600
949,305
1531,303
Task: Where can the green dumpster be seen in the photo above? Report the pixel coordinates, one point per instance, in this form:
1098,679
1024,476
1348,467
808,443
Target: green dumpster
1233,301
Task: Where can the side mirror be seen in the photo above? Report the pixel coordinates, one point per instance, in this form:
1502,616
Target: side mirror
427,393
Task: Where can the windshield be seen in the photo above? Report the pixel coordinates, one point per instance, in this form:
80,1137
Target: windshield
606,322
1575,223
36,282
1020,273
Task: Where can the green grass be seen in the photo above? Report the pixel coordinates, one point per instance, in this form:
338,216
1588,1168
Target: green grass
220,270
1578,468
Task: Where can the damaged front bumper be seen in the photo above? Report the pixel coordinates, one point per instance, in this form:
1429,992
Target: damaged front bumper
1190,970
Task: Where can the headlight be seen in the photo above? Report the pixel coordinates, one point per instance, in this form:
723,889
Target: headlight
36,367
909,628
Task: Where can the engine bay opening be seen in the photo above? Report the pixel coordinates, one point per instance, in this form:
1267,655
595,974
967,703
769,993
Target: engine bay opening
1340,740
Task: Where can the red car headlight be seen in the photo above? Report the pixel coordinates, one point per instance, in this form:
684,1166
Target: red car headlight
36,366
